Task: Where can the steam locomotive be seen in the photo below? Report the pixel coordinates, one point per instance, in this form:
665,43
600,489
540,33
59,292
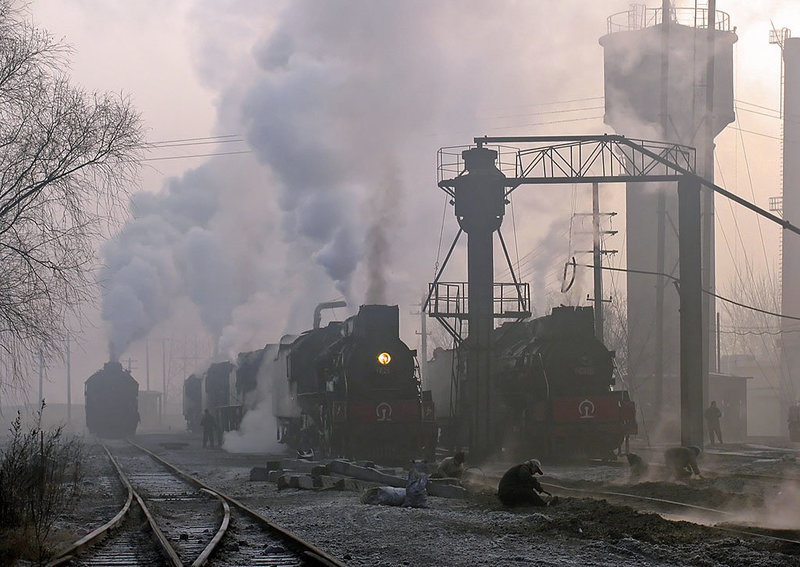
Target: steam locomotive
111,396
349,389
553,386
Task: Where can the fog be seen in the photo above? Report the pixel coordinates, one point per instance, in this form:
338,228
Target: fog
341,108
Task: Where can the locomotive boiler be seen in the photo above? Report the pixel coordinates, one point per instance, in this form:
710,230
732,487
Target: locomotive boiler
111,397
553,386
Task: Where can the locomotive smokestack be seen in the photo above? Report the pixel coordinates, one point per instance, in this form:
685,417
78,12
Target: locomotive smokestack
322,306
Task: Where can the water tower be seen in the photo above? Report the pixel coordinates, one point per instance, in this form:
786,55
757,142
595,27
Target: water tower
658,62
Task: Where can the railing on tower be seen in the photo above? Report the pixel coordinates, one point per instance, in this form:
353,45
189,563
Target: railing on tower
641,17
450,299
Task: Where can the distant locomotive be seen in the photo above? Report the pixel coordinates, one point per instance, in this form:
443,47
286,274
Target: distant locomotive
112,402
552,382
348,389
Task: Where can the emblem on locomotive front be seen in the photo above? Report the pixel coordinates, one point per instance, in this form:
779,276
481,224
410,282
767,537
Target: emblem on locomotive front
384,411
586,409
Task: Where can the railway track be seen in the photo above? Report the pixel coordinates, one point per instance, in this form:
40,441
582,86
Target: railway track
721,520
172,519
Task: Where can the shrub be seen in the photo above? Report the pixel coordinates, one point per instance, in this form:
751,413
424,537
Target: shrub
40,475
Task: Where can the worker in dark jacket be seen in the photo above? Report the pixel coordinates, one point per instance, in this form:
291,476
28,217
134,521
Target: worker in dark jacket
682,462
209,425
519,486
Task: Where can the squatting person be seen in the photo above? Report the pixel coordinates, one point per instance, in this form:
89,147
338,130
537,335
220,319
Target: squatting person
450,467
682,461
519,486
638,466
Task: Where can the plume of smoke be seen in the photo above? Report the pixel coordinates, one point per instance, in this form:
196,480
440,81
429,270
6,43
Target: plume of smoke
189,240
383,213
138,279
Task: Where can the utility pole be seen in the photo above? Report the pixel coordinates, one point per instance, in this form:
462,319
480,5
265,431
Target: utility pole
69,384
147,361
707,236
597,261
658,363
422,356
164,377
658,366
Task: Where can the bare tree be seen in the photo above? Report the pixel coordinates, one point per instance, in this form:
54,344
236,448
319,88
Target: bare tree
66,157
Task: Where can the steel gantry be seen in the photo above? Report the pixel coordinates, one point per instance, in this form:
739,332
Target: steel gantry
479,191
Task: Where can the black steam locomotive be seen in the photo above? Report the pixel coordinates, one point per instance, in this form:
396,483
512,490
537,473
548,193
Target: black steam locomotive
553,381
111,396
349,389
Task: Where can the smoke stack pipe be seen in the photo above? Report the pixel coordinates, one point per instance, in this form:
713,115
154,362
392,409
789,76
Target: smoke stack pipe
327,305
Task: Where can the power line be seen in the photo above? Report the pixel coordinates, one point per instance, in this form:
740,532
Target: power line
673,278
195,139
199,155
545,123
198,143
776,111
562,111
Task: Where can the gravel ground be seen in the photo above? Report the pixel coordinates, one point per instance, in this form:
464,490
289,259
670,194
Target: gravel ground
479,531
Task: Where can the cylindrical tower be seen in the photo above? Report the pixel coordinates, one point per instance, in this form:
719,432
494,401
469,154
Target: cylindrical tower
657,86
790,269
479,208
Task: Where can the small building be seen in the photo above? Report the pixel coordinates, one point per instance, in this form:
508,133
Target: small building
150,410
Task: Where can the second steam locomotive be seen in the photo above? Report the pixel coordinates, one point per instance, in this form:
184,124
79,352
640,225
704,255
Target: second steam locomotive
553,386
351,388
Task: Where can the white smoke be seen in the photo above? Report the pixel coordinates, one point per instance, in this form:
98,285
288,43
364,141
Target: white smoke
258,430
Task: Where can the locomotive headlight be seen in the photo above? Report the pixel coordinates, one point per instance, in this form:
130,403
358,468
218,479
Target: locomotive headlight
384,358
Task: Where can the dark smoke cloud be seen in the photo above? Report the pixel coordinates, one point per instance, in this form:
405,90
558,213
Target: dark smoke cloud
327,94
193,239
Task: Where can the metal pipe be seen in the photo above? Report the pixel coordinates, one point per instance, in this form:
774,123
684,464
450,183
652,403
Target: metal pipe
326,305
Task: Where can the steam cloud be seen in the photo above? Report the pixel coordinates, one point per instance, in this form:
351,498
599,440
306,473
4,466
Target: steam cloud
344,106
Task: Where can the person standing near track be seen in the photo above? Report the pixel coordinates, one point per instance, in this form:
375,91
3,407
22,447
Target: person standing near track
209,425
712,415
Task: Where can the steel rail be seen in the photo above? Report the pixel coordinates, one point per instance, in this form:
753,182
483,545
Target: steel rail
226,519
167,549
100,533
311,552
97,535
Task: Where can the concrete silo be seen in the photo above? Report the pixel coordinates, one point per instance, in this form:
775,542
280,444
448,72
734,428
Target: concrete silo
657,65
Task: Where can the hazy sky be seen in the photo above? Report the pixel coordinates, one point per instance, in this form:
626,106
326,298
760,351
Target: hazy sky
331,114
